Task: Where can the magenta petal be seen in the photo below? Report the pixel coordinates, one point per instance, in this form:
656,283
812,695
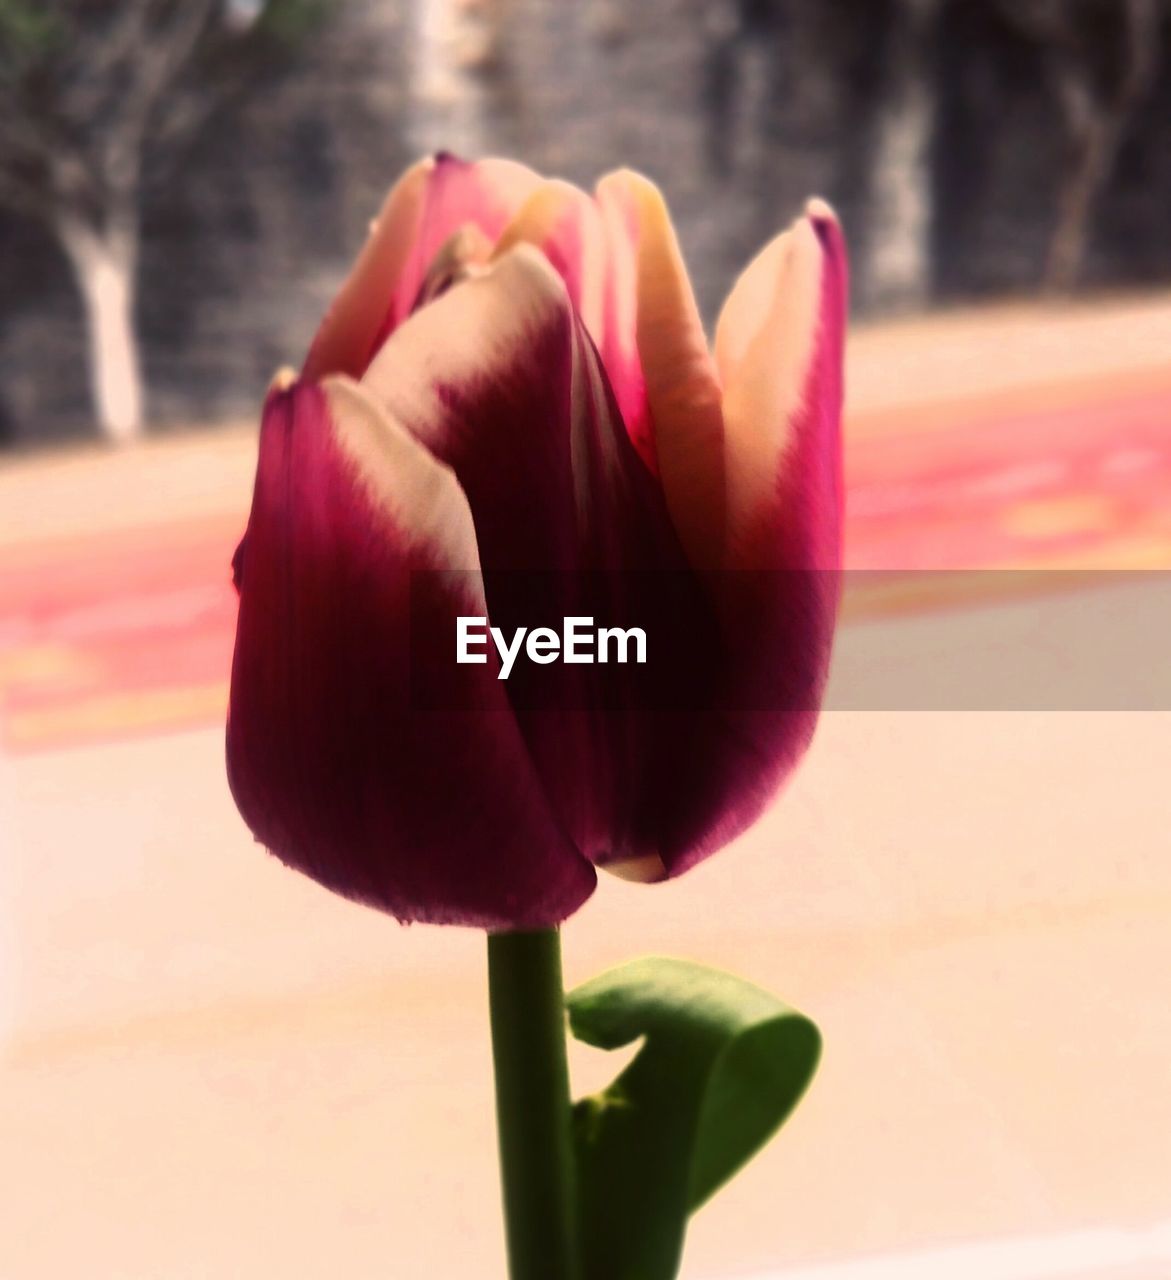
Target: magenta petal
500,380
483,466
619,344
433,200
591,244
782,336
660,346
334,758
481,193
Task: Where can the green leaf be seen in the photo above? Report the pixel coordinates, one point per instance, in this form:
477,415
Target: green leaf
721,1066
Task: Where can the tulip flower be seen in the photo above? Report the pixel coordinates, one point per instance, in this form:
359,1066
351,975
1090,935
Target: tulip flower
514,379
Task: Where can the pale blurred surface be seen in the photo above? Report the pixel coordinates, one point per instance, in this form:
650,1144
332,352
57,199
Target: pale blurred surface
220,1070
211,1067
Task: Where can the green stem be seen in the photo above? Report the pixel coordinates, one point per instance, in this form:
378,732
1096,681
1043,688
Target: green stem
532,1104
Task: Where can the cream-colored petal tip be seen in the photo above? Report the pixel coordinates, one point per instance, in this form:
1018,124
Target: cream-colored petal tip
631,180
820,210
647,868
524,259
804,241
283,379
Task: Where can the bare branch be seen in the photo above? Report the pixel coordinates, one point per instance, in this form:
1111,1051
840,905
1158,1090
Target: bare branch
166,48
103,56
1097,110
89,91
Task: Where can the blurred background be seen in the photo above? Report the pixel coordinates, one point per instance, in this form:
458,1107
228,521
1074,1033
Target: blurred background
209,1067
159,163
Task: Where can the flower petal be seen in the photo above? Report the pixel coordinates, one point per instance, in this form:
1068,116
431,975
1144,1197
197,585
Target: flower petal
500,381
619,345
485,193
430,202
564,223
682,390
345,339
592,248
780,346
341,758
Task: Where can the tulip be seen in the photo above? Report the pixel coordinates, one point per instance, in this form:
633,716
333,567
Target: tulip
514,379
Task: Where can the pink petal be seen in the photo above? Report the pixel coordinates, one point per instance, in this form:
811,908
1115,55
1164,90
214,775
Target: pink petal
681,387
500,381
346,337
485,457
429,203
564,223
484,193
342,759
591,244
780,347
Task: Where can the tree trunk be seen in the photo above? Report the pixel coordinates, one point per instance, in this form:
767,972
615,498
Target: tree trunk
898,260
1097,126
456,65
1095,151
104,264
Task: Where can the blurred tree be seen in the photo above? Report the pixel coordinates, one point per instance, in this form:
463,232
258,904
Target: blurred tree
459,64
1102,59
98,97
734,31
897,270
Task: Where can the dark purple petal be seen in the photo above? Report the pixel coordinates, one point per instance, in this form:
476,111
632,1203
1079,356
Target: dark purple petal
500,381
338,757
780,349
